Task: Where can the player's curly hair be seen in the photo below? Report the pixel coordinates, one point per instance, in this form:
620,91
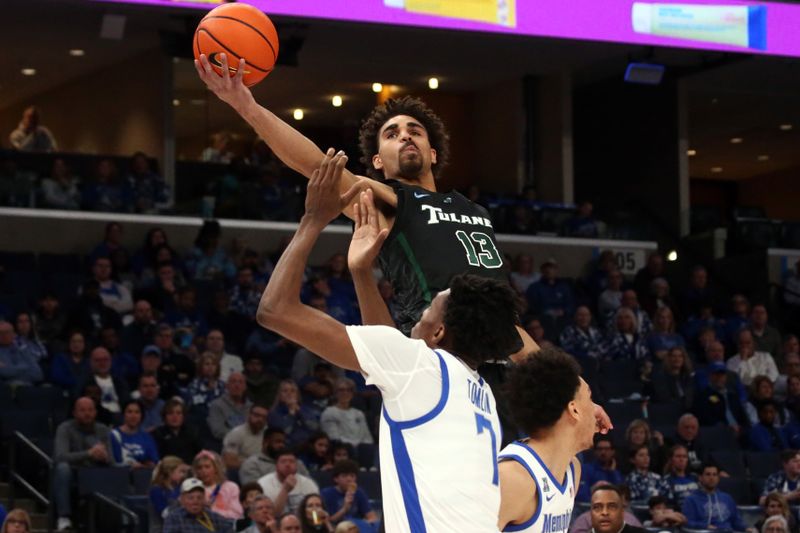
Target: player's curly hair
541,387
413,107
480,318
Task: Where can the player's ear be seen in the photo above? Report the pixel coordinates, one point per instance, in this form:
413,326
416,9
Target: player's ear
572,410
377,162
438,335
433,156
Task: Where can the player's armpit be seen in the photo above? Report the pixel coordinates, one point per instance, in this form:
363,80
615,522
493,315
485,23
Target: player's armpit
519,498
384,196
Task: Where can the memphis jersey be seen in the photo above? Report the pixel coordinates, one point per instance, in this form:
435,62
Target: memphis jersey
439,435
555,498
434,237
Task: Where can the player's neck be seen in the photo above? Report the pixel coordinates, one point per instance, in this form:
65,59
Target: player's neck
555,451
426,181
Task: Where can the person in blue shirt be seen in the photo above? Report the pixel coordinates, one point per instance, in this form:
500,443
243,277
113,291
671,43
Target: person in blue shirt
130,446
680,481
345,500
709,508
17,365
764,436
663,337
2,513
551,296
165,487
604,468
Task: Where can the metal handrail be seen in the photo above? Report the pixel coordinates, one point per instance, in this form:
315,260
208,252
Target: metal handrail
14,476
131,524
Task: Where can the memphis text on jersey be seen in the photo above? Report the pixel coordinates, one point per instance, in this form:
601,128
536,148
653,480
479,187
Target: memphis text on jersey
437,214
558,523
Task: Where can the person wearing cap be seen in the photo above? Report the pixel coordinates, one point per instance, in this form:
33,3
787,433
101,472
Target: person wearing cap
719,402
550,296
193,516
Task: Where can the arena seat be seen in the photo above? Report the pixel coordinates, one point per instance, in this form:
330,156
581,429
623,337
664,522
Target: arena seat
69,263
730,461
737,487
140,480
370,481
763,464
717,438
663,414
113,482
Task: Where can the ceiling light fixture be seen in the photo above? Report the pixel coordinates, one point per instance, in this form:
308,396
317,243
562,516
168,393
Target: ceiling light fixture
28,71
433,83
298,114
716,170
737,140
763,157
691,153
336,101
176,102
77,52
672,255
785,127
377,87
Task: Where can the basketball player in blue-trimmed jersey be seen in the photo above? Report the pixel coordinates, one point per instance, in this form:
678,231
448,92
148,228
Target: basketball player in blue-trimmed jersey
440,433
539,475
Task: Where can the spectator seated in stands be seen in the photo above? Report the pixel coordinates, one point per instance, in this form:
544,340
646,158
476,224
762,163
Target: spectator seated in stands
766,338
229,363
115,392
112,241
218,152
248,492
189,323
702,328
775,524
222,496
581,339
262,386
709,508
230,409
130,444
643,323
104,416
245,440
289,523
208,260
50,321
154,251
678,479
603,468
638,434
114,295
176,370
672,381
715,353
152,405
657,297
285,487
611,298
107,192
139,333
686,432
764,436
18,363
583,522
697,292
785,481
30,135
749,363
608,513
315,518
551,296
194,515
738,319
261,515
150,192
164,289
719,403
523,273
775,505
16,521
175,437
654,269
165,489
317,453
345,500
297,420
624,341
207,386
123,364
28,339
762,390
257,466
60,189
643,483
663,337
90,315
534,327
244,296
341,421
78,442
661,516
583,223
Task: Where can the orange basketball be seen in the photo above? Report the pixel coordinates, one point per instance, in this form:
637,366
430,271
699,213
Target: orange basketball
239,31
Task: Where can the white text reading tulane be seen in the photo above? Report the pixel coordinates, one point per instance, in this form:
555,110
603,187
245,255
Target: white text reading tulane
436,215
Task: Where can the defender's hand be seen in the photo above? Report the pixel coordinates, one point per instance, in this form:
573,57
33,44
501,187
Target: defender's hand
368,237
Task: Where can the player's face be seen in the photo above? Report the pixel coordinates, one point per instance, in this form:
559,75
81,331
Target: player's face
588,423
431,324
404,150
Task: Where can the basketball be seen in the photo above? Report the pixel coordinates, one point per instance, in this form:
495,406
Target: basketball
239,31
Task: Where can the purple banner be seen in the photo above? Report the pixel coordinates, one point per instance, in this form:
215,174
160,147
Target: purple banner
731,26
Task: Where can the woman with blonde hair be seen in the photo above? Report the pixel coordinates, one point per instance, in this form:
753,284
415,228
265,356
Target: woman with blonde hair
776,504
624,340
17,521
663,337
288,413
222,496
165,488
637,434
207,385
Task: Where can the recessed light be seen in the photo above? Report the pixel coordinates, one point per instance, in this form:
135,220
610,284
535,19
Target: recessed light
785,127
198,101
298,114
336,101
176,102
433,83
28,72
377,87
672,255
691,153
77,52
737,140
716,170
763,157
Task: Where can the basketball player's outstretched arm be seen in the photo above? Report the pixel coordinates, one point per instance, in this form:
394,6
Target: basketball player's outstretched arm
280,309
291,146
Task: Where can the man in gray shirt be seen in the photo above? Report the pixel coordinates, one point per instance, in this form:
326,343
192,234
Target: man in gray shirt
230,409
79,442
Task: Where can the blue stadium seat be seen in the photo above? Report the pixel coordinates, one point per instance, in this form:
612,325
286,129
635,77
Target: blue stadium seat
750,513
663,414
738,488
623,413
763,464
370,481
140,480
6,398
26,283
113,482
34,425
717,438
731,461
67,263
20,261
323,478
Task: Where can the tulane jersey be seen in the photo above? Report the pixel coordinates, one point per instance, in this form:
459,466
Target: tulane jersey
555,498
439,435
435,236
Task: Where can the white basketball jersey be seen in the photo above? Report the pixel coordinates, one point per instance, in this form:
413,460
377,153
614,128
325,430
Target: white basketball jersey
439,470
555,498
